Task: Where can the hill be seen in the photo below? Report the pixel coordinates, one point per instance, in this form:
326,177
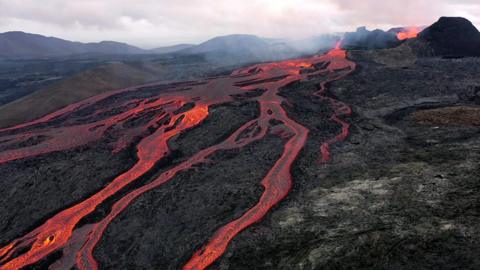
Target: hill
24,45
241,49
452,36
171,49
104,78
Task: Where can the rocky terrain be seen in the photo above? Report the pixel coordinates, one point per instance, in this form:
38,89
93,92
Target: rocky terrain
399,193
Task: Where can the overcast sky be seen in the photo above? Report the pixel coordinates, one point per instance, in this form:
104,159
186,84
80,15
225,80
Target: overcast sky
151,23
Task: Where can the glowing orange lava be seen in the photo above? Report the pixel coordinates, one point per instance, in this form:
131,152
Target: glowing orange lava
408,32
62,231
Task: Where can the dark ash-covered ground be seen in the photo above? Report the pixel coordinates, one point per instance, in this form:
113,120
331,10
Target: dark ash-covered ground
400,193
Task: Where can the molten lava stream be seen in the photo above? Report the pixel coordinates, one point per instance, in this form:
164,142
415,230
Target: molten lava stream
277,184
57,231
73,107
278,181
77,243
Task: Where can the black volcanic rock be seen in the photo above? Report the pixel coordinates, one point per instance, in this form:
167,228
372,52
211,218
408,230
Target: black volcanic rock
364,39
452,36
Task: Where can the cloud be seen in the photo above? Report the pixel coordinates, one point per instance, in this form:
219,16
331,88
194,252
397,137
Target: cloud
149,23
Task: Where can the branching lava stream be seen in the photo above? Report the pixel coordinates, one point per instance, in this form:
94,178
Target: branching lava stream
172,117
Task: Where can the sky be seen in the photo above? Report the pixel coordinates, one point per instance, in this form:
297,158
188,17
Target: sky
154,23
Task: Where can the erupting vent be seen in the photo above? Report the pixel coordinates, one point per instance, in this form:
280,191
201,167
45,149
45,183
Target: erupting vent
408,32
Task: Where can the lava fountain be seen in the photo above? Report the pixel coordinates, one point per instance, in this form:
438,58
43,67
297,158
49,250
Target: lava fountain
408,33
184,106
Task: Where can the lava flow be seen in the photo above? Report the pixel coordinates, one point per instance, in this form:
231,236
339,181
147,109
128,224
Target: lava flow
408,32
176,108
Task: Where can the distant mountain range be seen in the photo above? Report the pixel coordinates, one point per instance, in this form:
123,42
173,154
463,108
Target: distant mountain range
18,44
25,45
239,48
231,48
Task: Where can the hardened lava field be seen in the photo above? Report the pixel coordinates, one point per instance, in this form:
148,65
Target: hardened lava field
141,133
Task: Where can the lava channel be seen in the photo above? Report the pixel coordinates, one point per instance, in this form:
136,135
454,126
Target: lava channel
172,116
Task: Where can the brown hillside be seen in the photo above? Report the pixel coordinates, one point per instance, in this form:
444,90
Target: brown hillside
80,86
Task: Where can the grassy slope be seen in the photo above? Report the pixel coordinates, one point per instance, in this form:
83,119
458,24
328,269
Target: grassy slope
80,86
